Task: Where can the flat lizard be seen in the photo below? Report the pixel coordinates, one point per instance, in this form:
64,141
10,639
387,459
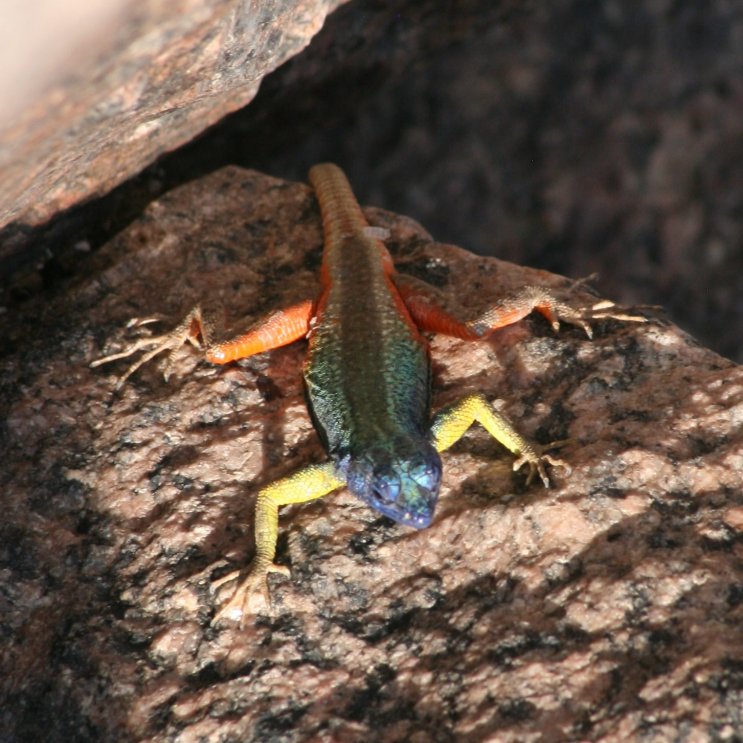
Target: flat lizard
368,380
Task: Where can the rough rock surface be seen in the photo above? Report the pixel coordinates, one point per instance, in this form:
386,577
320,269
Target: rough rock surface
609,607
143,80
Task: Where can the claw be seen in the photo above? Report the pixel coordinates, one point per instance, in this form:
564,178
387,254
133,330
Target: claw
188,331
161,343
240,601
536,459
138,322
583,316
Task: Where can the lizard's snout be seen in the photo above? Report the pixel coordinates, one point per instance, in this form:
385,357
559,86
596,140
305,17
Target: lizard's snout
404,489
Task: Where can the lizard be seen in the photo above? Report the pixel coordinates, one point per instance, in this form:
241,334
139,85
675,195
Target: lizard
367,377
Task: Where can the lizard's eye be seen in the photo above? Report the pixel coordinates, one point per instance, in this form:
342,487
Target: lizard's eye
386,485
426,474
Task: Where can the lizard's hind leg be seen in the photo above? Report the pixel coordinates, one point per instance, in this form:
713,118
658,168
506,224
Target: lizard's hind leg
276,329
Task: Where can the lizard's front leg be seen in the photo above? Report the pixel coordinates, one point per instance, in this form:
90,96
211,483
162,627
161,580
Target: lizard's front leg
451,422
309,483
277,329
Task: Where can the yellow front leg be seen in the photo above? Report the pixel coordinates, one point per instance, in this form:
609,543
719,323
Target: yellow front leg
451,423
309,483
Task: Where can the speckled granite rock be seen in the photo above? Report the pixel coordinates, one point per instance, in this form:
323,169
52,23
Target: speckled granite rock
141,79
607,608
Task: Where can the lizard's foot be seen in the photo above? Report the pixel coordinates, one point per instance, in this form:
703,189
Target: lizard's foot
536,459
556,311
605,309
189,331
242,594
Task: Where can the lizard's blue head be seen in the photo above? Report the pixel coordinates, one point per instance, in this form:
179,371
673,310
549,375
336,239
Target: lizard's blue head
401,481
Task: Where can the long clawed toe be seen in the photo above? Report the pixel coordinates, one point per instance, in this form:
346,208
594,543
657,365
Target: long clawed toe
606,309
240,598
602,310
156,345
536,460
188,331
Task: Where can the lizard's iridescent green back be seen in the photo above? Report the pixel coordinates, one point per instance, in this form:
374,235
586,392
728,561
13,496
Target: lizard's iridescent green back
367,370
